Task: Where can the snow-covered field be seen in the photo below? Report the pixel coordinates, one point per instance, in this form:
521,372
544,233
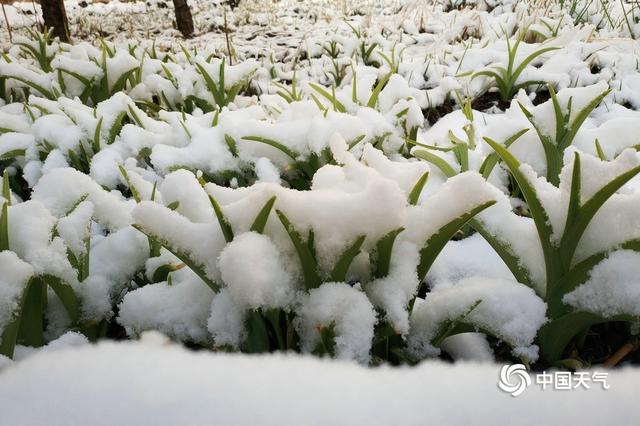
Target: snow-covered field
379,182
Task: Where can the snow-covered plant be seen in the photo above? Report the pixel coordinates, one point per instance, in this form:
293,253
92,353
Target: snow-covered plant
365,49
507,78
222,92
32,262
78,253
567,124
570,221
368,267
546,29
293,94
38,48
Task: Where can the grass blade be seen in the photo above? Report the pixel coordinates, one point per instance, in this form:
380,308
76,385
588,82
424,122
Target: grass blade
382,258
222,220
439,162
194,266
307,259
261,220
339,272
437,241
414,195
290,153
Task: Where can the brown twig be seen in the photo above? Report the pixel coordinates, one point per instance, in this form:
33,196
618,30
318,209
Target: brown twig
226,36
619,355
6,19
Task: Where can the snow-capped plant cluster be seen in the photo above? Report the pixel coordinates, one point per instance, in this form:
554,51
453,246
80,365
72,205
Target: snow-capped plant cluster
301,202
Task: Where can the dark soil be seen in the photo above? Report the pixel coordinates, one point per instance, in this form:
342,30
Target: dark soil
434,114
489,100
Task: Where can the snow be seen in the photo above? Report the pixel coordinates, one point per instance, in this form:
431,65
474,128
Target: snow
505,308
345,308
75,227
612,287
183,188
457,196
226,323
253,270
202,241
179,310
151,382
61,189
15,274
72,153
119,255
393,292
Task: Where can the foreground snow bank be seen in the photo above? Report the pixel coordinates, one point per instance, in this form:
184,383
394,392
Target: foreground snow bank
151,383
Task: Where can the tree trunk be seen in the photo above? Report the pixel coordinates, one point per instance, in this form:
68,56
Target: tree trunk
184,21
55,18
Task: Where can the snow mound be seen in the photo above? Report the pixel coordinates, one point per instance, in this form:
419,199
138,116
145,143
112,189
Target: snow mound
152,383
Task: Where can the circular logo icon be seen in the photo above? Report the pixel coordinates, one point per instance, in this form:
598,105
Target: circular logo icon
514,379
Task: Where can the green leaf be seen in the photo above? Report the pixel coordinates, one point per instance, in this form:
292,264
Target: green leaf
373,99
552,153
217,91
331,98
162,272
67,296
10,333
574,194
82,79
574,232
132,188
492,159
261,219
277,327
46,93
31,331
6,189
455,326
4,228
439,162
257,340
504,251
12,154
120,84
580,118
554,336
351,144
536,209
184,257
579,273
384,248
414,195
307,259
222,220
527,61
117,126
4,213
599,151
339,272
231,144
96,136
327,345
290,153
438,240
